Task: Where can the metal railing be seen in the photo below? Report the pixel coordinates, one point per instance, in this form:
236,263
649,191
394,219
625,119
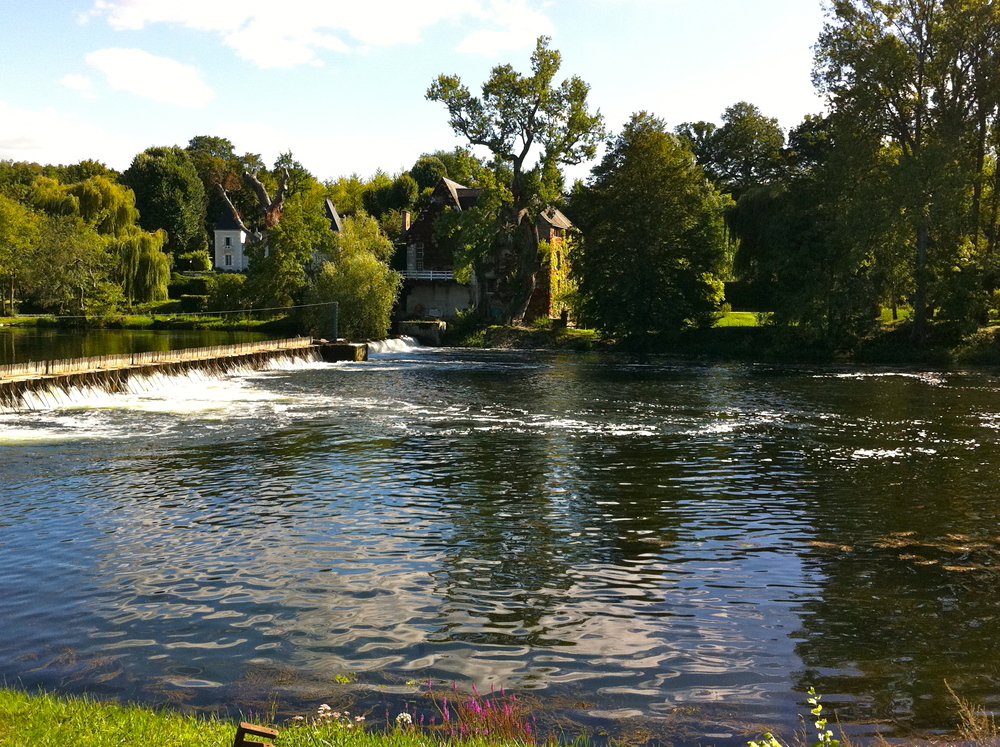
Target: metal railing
36,369
428,274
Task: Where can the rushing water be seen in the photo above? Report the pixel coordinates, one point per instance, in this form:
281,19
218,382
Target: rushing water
622,539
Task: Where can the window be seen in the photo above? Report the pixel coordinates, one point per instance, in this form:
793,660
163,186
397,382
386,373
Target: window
229,258
229,241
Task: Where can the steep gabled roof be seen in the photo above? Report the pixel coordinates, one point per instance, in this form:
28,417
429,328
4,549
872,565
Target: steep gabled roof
336,224
555,218
226,222
462,197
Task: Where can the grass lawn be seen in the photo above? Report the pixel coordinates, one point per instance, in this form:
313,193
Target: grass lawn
43,720
738,319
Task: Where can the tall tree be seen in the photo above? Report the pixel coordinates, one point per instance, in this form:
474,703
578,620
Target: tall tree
357,276
653,238
821,243
921,73
169,196
19,231
71,270
518,118
743,153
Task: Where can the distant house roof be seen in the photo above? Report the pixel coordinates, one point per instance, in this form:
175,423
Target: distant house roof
555,218
226,222
336,224
462,197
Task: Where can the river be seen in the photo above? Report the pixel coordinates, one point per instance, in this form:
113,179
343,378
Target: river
630,544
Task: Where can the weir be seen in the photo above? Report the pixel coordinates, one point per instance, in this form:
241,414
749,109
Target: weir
112,373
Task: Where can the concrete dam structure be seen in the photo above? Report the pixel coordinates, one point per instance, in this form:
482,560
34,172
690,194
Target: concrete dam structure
21,382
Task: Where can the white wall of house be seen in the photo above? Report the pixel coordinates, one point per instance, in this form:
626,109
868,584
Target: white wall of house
229,251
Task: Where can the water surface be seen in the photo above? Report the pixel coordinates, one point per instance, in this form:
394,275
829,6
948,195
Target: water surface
620,539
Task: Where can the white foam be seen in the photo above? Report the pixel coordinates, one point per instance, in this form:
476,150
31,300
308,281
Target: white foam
194,390
393,345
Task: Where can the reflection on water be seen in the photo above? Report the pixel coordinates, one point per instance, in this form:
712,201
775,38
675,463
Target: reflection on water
627,537
23,344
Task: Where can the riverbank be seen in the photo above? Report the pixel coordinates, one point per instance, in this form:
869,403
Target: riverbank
65,721
944,345
283,325
58,721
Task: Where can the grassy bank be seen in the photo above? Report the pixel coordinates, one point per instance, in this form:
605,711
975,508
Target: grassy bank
741,336
43,720
221,323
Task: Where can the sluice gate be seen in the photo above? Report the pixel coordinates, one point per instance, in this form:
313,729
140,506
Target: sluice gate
112,373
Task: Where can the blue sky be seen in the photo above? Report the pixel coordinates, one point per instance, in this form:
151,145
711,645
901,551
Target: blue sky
341,84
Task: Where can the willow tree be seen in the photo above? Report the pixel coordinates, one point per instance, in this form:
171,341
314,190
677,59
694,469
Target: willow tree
532,127
143,268
358,277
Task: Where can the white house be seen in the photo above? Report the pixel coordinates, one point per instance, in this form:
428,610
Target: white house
230,242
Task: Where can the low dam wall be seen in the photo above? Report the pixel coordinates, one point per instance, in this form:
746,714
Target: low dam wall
113,372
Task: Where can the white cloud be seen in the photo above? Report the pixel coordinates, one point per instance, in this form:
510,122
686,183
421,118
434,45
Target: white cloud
521,26
50,136
292,32
152,77
80,83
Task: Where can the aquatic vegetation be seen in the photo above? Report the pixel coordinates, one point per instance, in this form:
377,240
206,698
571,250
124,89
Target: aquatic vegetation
824,736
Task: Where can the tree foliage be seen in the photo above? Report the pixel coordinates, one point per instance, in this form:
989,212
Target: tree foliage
922,75
653,237
19,234
143,269
746,151
169,196
358,278
517,118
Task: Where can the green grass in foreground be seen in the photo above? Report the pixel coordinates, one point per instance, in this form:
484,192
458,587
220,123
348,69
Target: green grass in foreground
43,720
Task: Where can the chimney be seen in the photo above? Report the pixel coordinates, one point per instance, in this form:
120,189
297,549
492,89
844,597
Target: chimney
406,220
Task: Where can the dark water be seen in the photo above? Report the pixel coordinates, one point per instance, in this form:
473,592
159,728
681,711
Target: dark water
23,344
621,540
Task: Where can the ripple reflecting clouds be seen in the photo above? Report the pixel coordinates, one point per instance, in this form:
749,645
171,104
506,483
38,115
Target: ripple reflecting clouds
638,535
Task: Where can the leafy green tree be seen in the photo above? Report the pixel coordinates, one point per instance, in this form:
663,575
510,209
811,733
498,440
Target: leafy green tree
921,74
84,170
653,236
746,151
347,193
461,165
391,196
71,270
169,196
106,205
277,272
143,270
515,115
428,171
359,279
19,232
226,292
16,178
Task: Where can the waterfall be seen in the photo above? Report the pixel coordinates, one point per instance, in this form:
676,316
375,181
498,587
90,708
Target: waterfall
393,345
190,383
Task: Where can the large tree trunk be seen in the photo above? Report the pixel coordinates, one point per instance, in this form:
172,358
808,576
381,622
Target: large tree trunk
920,275
527,273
